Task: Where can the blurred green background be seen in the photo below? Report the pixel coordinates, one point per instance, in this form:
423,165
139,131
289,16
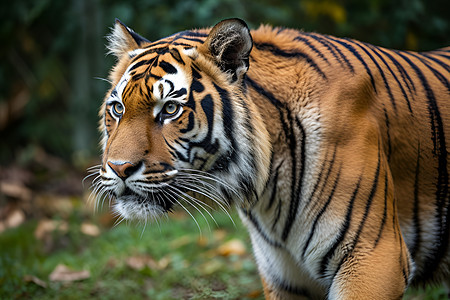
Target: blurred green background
52,64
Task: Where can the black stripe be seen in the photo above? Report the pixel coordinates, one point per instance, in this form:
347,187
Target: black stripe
296,183
277,103
312,47
227,115
141,63
278,215
341,235
129,89
282,110
330,167
175,153
380,70
177,94
158,51
289,54
185,45
319,215
147,76
191,123
191,39
435,72
383,219
369,201
438,61
188,33
258,228
375,50
443,55
176,55
184,146
294,202
163,41
335,51
275,186
388,134
168,68
298,291
416,219
405,75
196,72
319,179
207,143
196,86
172,87
165,168
228,121
358,57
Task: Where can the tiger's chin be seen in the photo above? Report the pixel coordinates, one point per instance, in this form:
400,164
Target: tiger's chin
132,206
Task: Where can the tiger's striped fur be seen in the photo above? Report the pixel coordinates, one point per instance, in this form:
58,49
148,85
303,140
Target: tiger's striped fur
334,151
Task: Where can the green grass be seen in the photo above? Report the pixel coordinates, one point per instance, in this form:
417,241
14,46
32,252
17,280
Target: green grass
190,269
186,263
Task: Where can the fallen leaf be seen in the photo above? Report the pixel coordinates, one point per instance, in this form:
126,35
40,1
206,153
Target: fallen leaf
139,262
211,266
48,226
232,247
90,229
164,262
14,219
35,280
64,273
15,190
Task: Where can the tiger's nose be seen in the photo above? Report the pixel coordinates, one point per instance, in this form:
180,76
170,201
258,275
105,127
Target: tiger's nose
123,170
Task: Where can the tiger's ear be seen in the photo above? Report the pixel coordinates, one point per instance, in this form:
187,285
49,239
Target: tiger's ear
229,44
123,40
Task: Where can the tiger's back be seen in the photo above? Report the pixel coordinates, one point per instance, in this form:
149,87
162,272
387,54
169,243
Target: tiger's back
334,151
400,98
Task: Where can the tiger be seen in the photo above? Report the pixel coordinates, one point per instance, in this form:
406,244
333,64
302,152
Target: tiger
333,151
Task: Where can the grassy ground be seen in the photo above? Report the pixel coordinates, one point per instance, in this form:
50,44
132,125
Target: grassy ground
172,260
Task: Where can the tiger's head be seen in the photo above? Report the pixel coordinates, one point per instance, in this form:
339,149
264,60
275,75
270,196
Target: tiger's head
177,123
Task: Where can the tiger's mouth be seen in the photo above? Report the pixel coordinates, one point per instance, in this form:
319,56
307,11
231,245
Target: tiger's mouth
143,206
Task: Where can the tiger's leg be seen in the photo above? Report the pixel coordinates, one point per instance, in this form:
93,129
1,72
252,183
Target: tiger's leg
380,272
269,293
281,276
276,293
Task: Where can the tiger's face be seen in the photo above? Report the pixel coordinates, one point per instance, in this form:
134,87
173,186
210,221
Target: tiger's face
177,125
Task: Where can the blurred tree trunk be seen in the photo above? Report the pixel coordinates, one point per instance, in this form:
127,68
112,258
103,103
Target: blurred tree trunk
87,64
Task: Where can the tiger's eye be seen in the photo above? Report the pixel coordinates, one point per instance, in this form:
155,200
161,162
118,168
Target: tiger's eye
118,109
170,108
